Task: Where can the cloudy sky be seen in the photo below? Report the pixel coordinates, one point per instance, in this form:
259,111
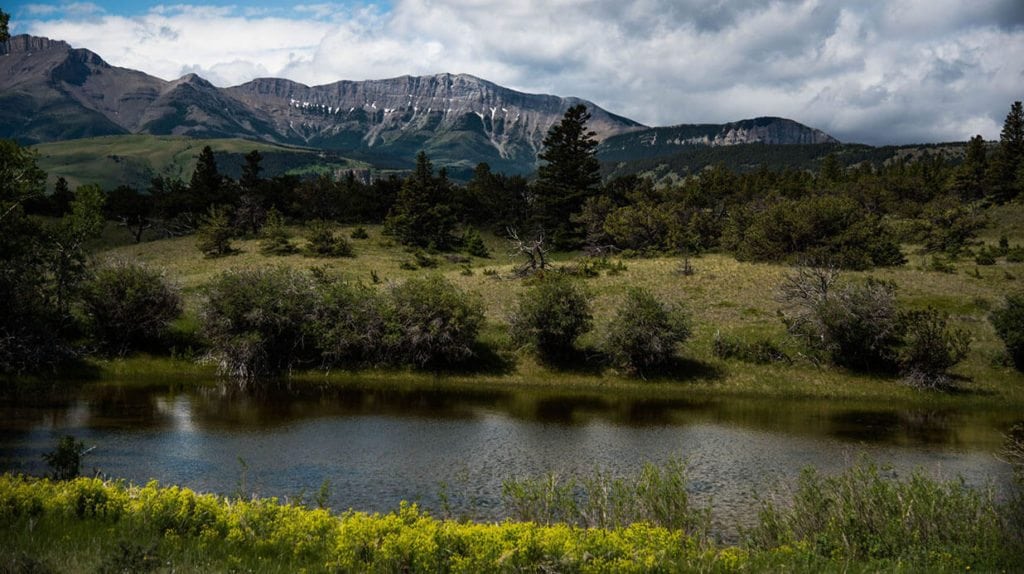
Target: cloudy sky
877,72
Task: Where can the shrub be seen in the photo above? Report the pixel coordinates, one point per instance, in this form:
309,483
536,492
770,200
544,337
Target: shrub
275,237
359,233
863,514
475,245
323,242
214,235
551,315
430,321
818,228
65,461
855,325
760,352
349,324
645,333
255,320
930,348
127,304
1008,321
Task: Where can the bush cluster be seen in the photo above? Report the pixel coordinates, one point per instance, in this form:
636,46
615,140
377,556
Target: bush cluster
644,333
860,326
551,315
817,228
127,305
266,321
1008,321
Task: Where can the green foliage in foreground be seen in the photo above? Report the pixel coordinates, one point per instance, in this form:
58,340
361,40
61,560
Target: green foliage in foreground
857,521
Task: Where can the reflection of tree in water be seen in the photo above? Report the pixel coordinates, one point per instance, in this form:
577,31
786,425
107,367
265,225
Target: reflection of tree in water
117,406
227,405
915,426
931,426
1013,450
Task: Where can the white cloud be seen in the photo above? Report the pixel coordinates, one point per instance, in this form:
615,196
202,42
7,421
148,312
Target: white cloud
878,72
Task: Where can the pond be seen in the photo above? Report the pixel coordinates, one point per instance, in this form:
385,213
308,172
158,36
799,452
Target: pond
379,446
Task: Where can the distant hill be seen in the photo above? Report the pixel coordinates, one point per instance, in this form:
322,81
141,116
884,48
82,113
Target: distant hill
133,160
50,92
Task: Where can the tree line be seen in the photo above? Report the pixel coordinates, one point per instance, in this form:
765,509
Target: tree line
847,217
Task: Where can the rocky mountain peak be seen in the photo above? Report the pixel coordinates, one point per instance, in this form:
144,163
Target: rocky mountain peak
25,44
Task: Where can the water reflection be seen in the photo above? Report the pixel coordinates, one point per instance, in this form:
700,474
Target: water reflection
378,446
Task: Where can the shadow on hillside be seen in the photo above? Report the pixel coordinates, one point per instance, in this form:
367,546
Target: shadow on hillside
683,370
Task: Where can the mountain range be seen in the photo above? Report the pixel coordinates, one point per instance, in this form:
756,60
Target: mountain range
50,91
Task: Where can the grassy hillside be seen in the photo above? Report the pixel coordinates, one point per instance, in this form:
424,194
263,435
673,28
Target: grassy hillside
135,159
723,296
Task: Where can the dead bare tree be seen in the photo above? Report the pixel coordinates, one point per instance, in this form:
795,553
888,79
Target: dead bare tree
533,250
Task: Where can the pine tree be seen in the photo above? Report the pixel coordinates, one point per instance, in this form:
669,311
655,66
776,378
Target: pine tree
250,180
1009,158
213,237
206,182
4,19
968,180
275,237
423,215
570,174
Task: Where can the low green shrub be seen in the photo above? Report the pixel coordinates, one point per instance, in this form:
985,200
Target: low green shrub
761,351
127,305
551,315
645,333
930,348
1008,321
255,320
324,242
359,233
275,238
428,320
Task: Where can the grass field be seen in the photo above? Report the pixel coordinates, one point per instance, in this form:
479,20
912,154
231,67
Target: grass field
134,159
722,296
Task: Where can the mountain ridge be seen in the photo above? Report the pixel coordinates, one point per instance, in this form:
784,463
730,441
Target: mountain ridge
50,91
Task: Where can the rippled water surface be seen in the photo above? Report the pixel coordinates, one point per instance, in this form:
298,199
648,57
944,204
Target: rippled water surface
379,447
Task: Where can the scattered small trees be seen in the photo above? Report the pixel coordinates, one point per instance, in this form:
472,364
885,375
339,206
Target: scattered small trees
551,315
1008,321
645,333
127,304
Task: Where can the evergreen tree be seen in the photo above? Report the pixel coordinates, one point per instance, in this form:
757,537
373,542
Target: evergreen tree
133,209
423,215
569,175
1009,158
213,237
60,201
206,182
276,239
250,180
968,181
4,19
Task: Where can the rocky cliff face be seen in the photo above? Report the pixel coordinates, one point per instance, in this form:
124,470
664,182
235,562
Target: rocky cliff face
398,114
668,140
